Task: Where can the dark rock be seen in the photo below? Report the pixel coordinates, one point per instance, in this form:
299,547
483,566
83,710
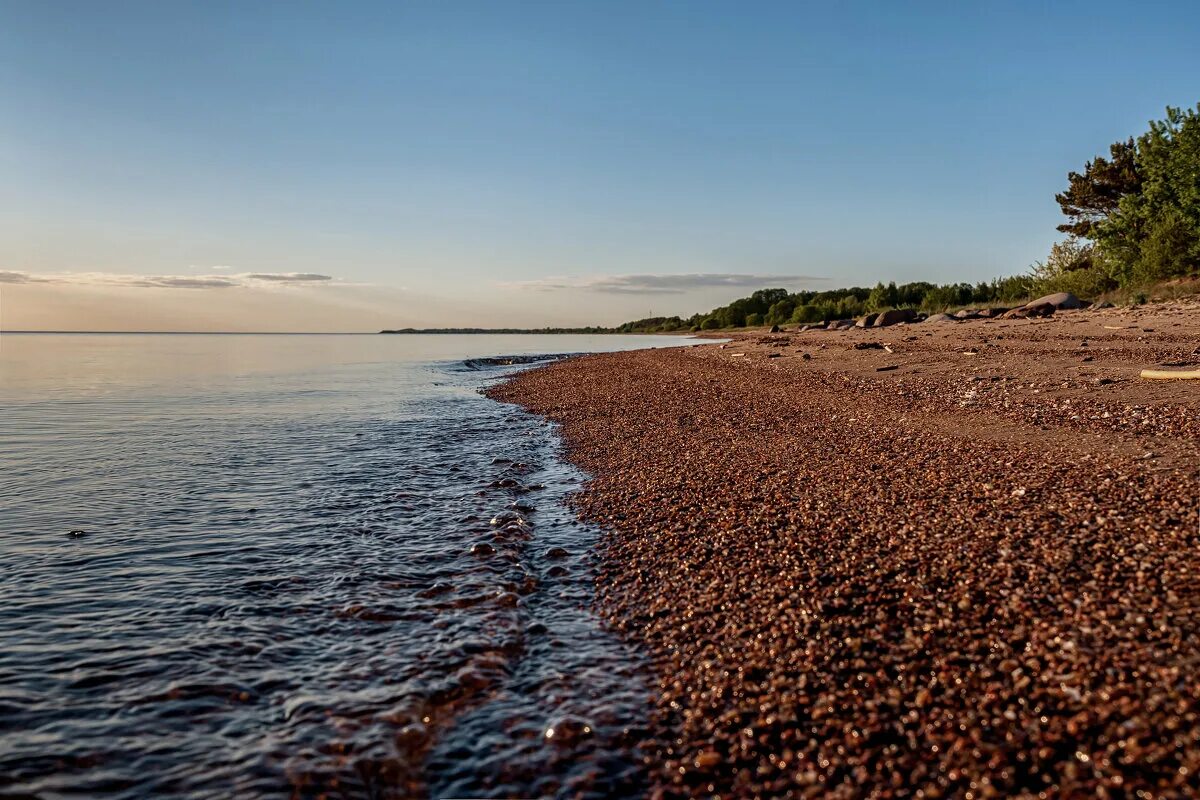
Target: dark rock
866,321
482,549
1032,310
942,318
508,599
1059,300
894,317
774,329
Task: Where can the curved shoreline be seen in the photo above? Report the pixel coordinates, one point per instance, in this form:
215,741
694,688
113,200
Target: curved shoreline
972,572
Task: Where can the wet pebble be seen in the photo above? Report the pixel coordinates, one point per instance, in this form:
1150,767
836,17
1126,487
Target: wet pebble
567,730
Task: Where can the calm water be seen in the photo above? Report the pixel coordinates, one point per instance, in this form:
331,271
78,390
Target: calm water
311,565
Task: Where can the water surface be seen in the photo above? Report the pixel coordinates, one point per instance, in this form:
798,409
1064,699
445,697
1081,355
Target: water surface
301,565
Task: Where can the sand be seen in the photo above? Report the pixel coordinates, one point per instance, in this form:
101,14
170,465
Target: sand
959,562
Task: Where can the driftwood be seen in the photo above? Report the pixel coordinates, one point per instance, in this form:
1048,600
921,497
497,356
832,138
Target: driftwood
1171,374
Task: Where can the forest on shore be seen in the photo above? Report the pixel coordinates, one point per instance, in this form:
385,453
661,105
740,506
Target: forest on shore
1132,222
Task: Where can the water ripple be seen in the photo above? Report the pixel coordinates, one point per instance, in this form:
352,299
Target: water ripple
286,591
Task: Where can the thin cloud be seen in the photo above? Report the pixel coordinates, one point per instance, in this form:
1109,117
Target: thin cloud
288,277
248,279
9,276
663,284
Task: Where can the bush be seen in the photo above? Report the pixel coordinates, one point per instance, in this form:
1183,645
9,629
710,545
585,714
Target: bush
754,320
1073,266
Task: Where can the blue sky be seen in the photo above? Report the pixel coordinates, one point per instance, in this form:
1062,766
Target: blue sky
533,162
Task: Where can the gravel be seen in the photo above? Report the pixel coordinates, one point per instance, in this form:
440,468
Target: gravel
929,582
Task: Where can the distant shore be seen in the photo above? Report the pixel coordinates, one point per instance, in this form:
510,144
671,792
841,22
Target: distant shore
935,558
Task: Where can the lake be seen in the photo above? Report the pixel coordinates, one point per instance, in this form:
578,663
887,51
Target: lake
298,565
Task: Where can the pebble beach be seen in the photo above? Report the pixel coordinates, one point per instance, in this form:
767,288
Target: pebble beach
952,559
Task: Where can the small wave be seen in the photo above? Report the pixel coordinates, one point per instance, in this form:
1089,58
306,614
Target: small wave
508,361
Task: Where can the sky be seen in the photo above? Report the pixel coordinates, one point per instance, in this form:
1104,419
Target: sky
309,166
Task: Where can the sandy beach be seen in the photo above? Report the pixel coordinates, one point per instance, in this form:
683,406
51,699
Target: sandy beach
928,560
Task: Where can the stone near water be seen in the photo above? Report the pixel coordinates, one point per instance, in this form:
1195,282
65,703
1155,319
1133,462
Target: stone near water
482,549
567,730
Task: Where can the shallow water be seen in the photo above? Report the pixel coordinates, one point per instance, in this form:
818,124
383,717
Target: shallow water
295,576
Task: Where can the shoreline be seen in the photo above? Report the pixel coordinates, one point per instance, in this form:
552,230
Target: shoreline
924,560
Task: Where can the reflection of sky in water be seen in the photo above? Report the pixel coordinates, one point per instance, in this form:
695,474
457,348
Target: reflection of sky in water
277,581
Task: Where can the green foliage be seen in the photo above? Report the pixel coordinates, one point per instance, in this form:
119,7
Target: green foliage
1094,194
883,297
952,295
1141,209
653,325
778,307
1073,266
1010,290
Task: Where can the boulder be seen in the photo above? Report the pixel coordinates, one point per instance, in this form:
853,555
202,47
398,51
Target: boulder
1059,300
774,329
966,313
993,313
866,322
1031,310
894,317
942,318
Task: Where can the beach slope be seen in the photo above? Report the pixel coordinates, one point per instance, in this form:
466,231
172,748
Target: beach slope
926,560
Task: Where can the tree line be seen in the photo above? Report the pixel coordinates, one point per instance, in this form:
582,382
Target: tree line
1133,220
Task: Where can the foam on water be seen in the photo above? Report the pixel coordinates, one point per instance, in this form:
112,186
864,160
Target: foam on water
353,577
